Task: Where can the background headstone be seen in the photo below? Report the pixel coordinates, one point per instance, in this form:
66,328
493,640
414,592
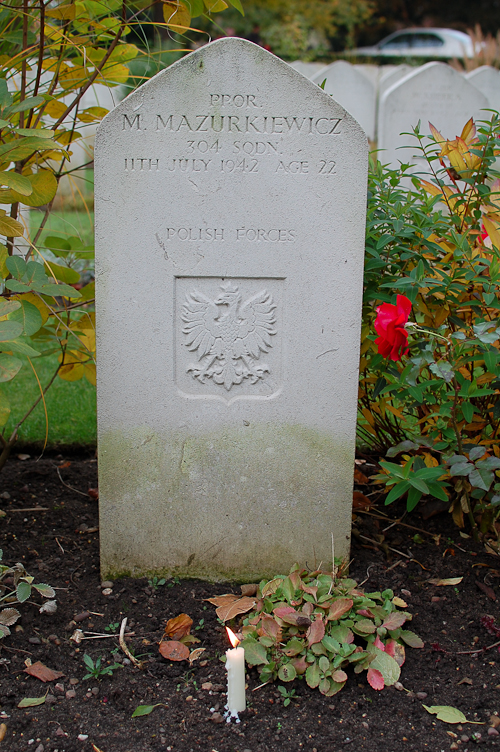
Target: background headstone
351,89
434,92
390,77
307,69
230,200
487,80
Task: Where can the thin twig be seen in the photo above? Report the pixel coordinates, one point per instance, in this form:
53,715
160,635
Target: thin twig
379,545
482,650
30,509
124,647
68,486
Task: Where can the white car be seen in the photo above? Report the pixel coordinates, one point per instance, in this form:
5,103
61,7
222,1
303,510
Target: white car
421,42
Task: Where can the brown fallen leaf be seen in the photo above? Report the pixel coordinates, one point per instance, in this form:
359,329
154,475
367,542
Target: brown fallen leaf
249,590
173,650
3,731
448,581
195,654
486,590
178,627
230,605
360,501
360,477
45,674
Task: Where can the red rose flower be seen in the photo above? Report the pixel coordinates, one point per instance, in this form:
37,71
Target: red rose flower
390,325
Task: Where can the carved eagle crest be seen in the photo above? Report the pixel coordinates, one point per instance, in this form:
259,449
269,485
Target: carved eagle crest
228,335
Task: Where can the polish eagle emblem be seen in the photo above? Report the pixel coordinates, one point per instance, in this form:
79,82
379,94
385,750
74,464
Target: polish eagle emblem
228,335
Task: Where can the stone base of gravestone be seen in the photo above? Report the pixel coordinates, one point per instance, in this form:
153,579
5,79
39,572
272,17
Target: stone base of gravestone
230,205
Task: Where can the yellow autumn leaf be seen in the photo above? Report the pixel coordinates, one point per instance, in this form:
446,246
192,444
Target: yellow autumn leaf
62,12
72,371
176,14
215,6
55,109
9,227
4,255
493,231
113,74
44,186
89,372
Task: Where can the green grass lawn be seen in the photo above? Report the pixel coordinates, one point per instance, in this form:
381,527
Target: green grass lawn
71,406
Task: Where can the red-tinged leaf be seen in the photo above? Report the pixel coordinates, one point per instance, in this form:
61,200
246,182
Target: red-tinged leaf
295,579
174,651
340,607
178,627
45,674
379,644
365,612
249,590
396,651
282,611
300,665
316,631
271,628
339,676
375,679
307,608
394,620
312,590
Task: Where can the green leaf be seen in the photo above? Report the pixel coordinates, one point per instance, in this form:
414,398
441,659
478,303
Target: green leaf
31,702
461,468
28,316
255,652
7,306
237,4
324,664
5,95
196,7
364,626
18,182
60,289
387,667
419,484
398,490
330,644
9,365
481,478
23,591
46,590
43,189
144,710
414,496
26,104
446,713
10,329
313,675
411,639
16,266
64,273
468,411
287,672
15,286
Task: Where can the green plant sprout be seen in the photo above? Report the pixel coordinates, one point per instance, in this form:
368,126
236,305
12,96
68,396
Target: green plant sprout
19,590
112,627
97,670
287,694
154,583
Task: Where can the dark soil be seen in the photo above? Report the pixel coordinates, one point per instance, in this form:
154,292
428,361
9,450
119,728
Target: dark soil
59,545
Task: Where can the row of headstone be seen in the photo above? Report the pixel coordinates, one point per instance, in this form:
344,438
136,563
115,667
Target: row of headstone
390,100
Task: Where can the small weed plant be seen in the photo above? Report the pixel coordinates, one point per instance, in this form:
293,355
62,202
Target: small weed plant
97,670
314,626
16,587
156,582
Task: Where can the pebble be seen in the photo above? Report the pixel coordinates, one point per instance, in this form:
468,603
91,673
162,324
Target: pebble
73,681
365,725
421,695
19,628
82,616
40,747
59,687
189,698
435,599
95,691
35,641
206,685
70,694
217,718
107,584
398,686
107,591
454,745
493,732
464,738
83,737
5,495
60,732
50,699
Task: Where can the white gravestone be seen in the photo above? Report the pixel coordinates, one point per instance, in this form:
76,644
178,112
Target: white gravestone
487,80
230,201
353,90
434,93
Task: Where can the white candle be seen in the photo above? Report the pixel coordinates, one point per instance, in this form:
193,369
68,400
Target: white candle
235,667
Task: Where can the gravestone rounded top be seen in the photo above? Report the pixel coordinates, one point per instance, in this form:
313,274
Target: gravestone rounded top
353,89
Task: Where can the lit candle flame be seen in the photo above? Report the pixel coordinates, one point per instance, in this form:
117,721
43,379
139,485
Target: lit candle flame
232,637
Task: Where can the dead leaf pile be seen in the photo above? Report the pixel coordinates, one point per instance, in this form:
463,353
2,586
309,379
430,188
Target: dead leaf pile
230,605
174,645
